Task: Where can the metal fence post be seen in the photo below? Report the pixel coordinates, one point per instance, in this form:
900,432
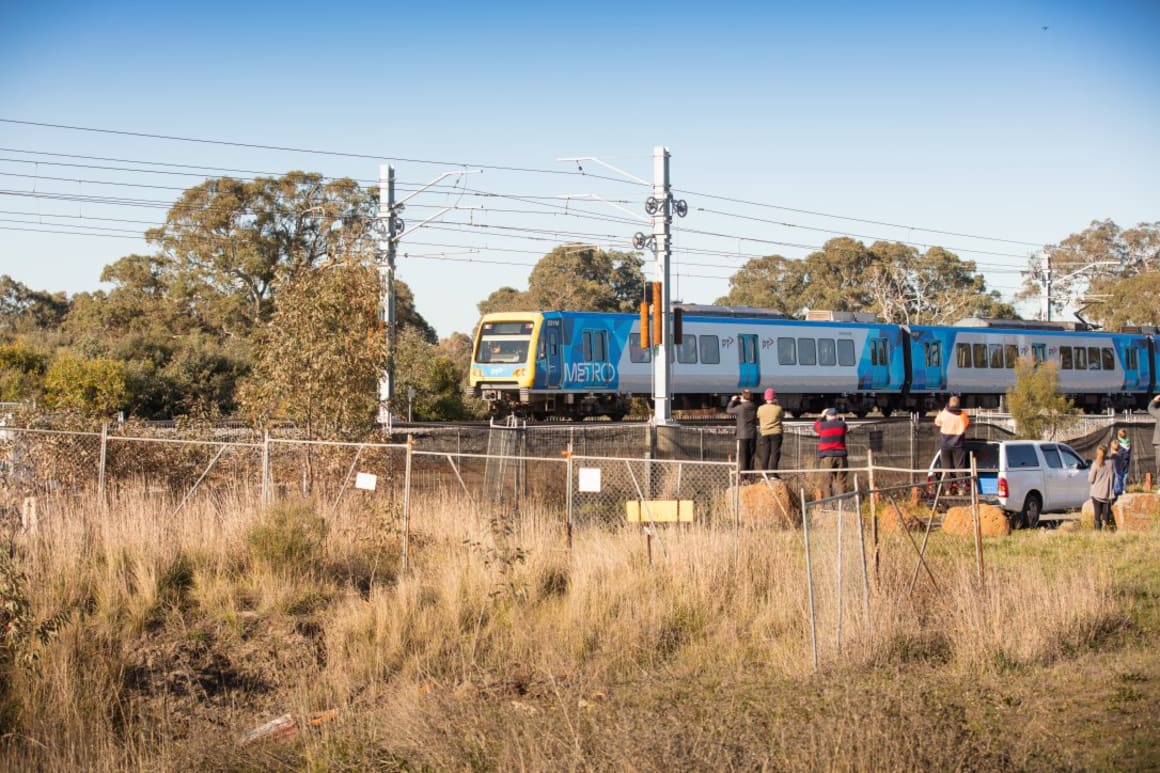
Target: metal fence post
104,458
407,503
873,510
809,577
568,495
913,446
266,467
974,484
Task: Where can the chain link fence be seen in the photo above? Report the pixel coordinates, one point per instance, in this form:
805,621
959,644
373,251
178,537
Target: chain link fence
555,477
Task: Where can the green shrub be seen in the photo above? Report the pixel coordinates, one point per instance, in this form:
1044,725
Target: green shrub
289,538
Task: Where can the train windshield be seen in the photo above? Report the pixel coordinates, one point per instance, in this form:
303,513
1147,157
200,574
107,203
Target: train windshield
504,342
506,349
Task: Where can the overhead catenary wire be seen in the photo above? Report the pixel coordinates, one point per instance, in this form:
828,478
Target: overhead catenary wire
312,151
549,210
498,167
569,209
540,205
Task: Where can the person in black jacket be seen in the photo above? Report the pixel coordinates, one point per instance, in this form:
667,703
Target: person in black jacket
1154,409
744,410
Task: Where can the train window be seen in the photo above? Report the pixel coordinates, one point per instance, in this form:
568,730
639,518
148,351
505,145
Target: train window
963,355
747,345
507,328
687,351
827,355
846,357
933,351
1080,358
1131,359
710,350
807,351
1065,358
786,351
1093,358
1039,353
979,358
1011,355
996,352
595,345
635,353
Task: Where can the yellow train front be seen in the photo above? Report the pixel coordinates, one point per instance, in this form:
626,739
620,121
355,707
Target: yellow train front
523,363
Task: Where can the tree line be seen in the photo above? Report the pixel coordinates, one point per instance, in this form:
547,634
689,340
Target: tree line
260,299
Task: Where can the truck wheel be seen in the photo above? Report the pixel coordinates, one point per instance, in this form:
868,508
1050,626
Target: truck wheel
1032,507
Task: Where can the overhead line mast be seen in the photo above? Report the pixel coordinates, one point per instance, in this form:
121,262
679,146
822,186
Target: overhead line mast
661,206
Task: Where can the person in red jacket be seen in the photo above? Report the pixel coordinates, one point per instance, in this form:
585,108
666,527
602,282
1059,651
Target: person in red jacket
831,429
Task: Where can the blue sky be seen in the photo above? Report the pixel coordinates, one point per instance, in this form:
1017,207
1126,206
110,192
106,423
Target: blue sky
959,118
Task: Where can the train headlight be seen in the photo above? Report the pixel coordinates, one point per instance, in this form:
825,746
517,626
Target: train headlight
518,372
477,373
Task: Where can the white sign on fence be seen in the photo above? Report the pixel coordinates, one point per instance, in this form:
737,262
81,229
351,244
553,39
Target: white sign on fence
590,479
366,481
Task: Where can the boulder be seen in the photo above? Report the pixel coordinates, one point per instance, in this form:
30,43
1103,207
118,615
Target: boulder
1136,512
992,521
770,502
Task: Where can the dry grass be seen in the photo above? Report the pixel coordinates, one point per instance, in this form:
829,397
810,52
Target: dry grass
499,649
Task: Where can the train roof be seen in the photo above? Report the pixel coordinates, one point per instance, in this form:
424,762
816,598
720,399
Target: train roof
1025,324
750,312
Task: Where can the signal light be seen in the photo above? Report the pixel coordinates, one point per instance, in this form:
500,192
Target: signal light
644,326
678,325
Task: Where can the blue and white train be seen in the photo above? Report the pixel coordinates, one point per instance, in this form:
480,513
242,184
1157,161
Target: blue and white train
578,364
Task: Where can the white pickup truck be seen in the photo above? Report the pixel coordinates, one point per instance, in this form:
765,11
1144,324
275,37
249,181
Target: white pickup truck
1027,478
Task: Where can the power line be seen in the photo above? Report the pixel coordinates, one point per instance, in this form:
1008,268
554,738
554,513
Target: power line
851,218
308,151
858,236
565,208
496,167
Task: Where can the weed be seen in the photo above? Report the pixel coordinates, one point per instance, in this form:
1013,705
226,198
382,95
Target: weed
21,635
289,538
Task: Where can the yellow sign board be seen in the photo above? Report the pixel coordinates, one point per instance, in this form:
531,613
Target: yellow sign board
659,510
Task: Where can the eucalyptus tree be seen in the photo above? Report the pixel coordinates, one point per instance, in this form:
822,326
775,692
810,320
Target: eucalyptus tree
891,279
576,277
1102,268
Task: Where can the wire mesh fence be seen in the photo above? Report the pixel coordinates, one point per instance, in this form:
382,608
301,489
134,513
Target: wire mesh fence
571,476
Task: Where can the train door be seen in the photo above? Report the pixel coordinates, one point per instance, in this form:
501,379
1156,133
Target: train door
878,374
1134,379
748,361
553,361
928,365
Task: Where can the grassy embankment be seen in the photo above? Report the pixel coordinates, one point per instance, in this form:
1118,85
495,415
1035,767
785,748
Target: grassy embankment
501,651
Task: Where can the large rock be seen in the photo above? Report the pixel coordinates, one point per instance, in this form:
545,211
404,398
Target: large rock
770,502
1136,512
992,521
